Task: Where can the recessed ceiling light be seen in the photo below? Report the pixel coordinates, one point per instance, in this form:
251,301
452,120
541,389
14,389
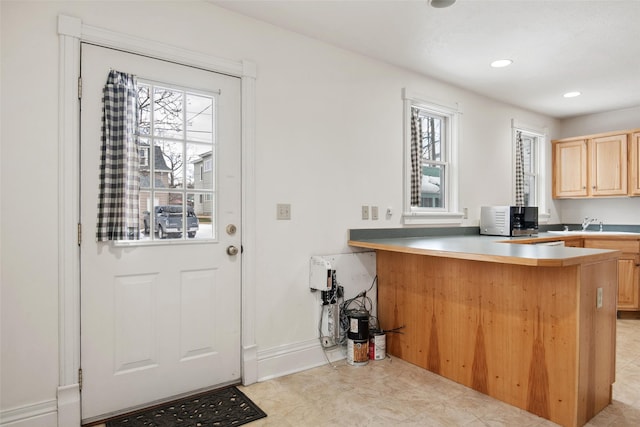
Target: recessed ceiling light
441,3
571,94
501,63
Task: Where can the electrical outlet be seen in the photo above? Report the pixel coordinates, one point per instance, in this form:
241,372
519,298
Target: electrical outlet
365,212
374,213
283,211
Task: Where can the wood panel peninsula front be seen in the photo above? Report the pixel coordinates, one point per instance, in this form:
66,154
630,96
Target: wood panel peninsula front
533,326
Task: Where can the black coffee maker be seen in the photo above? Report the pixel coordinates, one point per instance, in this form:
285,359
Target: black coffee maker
523,220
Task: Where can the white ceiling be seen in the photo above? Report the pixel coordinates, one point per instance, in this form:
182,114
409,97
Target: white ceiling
557,46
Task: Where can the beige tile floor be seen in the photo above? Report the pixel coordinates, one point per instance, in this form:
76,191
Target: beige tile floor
391,392
394,393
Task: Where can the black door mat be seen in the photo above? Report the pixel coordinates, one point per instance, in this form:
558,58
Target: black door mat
218,408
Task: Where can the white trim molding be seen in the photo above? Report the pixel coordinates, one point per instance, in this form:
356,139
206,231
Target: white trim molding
32,415
450,214
72,32
249,347
69,405
543,164
296,357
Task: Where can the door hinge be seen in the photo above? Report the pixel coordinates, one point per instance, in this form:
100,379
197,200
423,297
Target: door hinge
80,378
79,87
79,234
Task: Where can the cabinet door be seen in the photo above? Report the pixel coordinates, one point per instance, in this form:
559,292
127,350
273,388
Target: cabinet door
628,283
570,169
628,269
608,165
634,172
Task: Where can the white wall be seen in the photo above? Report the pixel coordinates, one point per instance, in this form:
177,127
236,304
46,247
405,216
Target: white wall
628,118
619,210
29,322
329,139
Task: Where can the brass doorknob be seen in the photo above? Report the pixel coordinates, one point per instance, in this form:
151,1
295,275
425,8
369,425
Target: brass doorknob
232,250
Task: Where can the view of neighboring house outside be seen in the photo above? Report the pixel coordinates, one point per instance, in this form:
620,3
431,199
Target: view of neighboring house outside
203,180
160,179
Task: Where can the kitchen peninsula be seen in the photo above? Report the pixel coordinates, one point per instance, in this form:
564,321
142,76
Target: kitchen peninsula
531,325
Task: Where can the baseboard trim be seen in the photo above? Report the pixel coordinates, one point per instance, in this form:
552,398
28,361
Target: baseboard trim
69,411
35,414
249,364
296,357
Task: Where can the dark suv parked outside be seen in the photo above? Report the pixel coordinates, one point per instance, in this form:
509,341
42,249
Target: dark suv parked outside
167,221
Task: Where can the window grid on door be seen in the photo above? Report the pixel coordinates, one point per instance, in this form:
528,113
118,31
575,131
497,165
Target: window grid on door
177,129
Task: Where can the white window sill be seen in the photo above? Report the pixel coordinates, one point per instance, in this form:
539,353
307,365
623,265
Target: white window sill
433,218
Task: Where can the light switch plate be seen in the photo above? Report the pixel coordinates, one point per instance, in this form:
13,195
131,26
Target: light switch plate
374,213
365,212
283,211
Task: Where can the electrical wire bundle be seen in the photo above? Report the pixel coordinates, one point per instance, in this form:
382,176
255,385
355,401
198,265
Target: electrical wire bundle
360,302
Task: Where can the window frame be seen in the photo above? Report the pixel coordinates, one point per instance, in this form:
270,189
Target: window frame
184,190
449,213
541,137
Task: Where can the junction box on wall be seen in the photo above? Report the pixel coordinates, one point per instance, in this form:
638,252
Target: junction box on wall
323,278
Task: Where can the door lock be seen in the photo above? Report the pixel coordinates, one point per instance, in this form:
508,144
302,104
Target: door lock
232,250
231,229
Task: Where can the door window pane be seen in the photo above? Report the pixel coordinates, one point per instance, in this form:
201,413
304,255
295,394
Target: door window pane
168,113
200,171
177,163
200,118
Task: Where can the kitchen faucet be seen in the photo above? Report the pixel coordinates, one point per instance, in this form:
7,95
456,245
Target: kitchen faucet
586,222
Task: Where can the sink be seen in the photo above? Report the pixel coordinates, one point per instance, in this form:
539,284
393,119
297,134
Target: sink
597,233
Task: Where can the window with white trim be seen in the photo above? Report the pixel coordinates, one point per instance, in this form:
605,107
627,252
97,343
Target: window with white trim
177,174
431,177
533,156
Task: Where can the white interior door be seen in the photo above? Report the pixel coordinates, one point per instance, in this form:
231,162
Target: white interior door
160,317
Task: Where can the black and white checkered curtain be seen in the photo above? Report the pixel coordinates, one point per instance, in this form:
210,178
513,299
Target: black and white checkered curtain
118,202
416,161
519,170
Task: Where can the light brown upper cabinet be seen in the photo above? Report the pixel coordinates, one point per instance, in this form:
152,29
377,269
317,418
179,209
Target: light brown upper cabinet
597,165
608,165
570,168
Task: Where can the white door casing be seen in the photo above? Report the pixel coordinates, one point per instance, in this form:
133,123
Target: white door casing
159,320
71,33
